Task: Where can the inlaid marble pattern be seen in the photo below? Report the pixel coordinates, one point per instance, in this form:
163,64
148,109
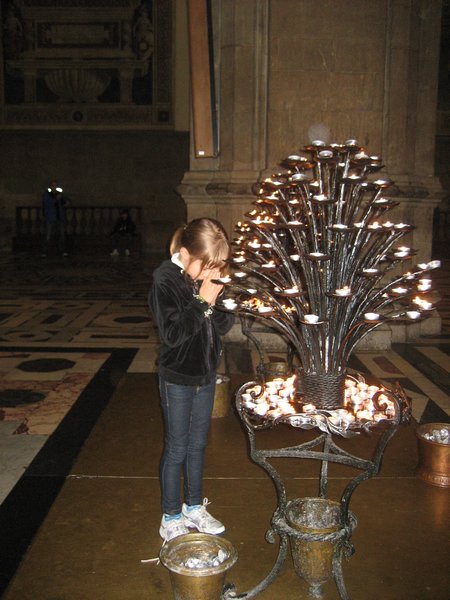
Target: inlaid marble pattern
38,397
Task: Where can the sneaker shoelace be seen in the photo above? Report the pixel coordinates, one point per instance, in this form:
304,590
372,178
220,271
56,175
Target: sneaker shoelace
203,514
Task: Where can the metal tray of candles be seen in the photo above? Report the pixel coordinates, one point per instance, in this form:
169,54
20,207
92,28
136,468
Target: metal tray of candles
266,404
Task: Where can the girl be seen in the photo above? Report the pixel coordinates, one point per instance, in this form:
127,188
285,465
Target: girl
182,299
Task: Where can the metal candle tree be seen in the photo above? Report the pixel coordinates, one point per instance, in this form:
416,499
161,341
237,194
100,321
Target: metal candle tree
313,260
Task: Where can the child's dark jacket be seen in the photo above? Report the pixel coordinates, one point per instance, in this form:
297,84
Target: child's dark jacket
190,338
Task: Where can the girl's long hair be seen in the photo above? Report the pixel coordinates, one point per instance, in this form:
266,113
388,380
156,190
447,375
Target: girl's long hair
204,239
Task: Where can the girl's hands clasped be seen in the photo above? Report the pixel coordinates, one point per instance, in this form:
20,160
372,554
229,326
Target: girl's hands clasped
208,289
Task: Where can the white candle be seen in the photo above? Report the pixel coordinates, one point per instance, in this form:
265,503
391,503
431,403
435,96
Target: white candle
345,291
226,279
229,304
311,318
371,316
264,309
413,314
370,271
434,264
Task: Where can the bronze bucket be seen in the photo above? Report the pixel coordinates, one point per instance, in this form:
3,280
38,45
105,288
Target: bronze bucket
434,457
313,561
202,583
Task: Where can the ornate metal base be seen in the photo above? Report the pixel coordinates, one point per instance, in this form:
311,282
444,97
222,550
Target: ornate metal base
328,543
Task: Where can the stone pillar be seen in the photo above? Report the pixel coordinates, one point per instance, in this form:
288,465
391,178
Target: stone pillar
410,112
221,187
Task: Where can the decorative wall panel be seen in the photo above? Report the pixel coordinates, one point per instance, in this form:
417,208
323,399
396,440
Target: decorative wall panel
87,64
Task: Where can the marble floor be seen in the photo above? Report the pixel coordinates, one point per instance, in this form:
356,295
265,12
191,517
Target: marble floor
75,338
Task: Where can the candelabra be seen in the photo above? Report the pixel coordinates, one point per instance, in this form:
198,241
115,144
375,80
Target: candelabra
318,261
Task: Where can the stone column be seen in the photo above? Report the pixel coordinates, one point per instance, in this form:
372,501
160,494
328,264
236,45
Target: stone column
221,187
409,124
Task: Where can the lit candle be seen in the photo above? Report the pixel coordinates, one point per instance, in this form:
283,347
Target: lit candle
371,316
238,259
292,290
345,291
413,314
400,290
240,274
264,309
295,257
434,264
226,279
269,265
311,318
374,225
364,415
229,303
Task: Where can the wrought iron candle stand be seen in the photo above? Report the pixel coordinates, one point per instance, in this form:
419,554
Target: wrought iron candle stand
323,538
317,261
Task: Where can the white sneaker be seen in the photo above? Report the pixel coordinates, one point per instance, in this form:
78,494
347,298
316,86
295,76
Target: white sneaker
115,252
199,518
127,252
172,527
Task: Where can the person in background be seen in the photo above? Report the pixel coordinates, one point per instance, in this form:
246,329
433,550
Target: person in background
54,212
124,230
182,299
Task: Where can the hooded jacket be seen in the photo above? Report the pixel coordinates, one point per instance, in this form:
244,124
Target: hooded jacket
189,329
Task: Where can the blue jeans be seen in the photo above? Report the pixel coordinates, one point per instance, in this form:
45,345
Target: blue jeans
187,415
